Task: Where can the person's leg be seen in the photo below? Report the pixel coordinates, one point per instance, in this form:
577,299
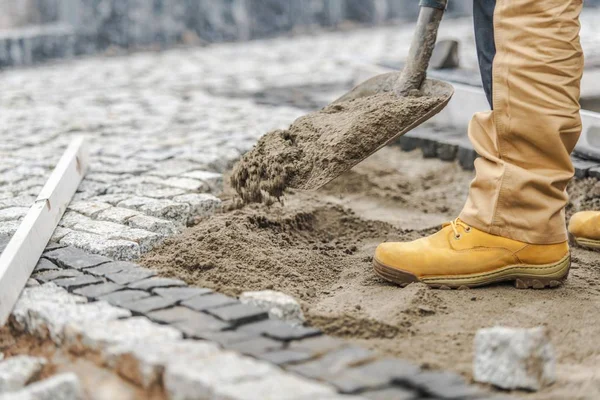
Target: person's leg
512,226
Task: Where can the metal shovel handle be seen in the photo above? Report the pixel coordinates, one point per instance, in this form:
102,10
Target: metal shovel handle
421,47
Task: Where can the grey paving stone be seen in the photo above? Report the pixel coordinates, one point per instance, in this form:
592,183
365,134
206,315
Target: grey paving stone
428,147
190,322
224,338
17,371
208,301
237,314
256,346
466,158
129,276
409,142
582,166
392,393
594,172
280,330
147,304
111,268
77,282
333,363
181,293
124,296
446,151
53,246
95,291
57,387
57,274
444,385
282,357
152,283
44,265
174,314
70,257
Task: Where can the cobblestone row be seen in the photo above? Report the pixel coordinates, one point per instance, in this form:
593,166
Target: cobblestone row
205,345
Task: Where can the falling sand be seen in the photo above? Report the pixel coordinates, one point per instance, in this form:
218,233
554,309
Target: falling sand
317,246
321,145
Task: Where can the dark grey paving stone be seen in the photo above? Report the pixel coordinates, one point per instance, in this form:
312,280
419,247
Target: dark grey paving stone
279,330
286,356
53,246
208,301
238,314
446,151
374,375
111,268
443,385
200,322
225,338
153,283
95,291
409,142
256,346
172,315
428,147
181,293
77,282
583,166
124,296
71,257
466,158
317,345
147,304
333,363
129,276
44,265
393,393
594,172
58,274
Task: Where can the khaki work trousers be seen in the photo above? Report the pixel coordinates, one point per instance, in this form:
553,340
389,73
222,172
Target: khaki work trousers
531,63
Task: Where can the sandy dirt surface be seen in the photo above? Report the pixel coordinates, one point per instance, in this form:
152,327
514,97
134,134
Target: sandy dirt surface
318,247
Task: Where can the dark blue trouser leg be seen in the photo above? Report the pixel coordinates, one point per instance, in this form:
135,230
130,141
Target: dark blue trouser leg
483,17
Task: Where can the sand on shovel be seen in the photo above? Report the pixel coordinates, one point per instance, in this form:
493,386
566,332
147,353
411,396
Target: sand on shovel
320,146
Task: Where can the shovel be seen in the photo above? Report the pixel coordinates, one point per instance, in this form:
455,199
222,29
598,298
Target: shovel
253,178
412,78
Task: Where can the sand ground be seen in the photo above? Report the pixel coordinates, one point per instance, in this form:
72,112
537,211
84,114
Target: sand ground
317,246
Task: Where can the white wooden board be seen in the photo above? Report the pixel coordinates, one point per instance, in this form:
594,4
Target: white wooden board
22,253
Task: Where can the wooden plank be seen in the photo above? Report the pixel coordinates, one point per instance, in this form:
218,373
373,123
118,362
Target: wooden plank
22,253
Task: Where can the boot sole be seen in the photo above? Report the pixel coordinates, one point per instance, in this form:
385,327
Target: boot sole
590,244
524,276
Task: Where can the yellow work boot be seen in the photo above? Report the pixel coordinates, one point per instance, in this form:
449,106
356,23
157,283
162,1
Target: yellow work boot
460,256
584,229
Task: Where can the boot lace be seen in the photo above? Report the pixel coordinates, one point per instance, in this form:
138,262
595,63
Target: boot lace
455,224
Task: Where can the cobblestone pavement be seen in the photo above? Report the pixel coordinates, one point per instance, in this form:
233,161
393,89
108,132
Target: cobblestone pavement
163,127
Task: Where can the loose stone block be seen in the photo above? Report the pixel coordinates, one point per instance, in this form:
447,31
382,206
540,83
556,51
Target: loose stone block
181,293
237,314
152,283
279,305
18,371
98,336
114,249
95,291
144,362
202,303
514,358
128,276
202,379
70,257
124,296
153,224
79,281
147,304
280,330
276,386
89,208
58,387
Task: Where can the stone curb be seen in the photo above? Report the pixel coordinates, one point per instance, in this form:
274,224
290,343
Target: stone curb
310,361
